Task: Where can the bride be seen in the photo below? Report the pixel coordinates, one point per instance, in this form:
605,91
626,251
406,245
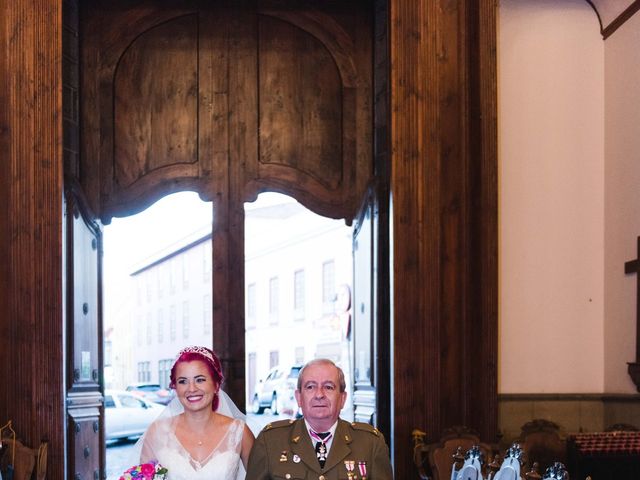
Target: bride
201,435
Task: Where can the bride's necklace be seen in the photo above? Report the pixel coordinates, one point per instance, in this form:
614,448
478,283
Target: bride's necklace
204,434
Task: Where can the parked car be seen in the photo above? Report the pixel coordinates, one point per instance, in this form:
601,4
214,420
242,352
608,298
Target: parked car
127,415
152,392
276,391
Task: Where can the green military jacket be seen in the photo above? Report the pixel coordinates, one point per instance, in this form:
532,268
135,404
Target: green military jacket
284,450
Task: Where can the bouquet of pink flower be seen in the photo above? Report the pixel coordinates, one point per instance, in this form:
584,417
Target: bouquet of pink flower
145,471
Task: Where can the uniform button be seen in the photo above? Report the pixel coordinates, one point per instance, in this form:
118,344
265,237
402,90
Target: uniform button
287,476
321,477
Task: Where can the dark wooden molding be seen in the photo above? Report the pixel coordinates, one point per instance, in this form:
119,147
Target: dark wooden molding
629,12
597,14
607,31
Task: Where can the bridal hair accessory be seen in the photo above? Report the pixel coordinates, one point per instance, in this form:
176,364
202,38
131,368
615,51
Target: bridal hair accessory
145,471
206,355
205,352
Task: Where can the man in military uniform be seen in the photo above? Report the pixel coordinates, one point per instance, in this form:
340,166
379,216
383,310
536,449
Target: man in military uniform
320,445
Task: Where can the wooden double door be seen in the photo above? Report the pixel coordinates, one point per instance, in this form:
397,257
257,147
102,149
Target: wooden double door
227,99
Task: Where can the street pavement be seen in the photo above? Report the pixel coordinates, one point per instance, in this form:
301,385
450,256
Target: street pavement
119,454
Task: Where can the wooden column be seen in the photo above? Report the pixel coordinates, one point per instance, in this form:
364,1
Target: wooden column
31,224
444,220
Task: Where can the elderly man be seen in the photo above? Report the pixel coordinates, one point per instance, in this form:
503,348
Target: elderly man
320,445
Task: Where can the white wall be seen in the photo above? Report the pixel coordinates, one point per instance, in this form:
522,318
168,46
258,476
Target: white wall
551,161
622,199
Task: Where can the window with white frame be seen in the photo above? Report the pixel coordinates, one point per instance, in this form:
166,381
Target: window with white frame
274,288
299,355
108,351
206,261
160,276
206,314
185,320
139,288
298,295
172,276
164,372
185,271
147,283
328,285
144,371
149,329
274,358
139,330
251,305
160,324
172,322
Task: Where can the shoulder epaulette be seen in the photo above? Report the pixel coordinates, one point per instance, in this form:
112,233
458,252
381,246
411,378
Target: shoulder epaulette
365,427
278,424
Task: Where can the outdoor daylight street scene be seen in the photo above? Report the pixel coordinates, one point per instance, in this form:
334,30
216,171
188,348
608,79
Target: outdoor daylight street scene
158,299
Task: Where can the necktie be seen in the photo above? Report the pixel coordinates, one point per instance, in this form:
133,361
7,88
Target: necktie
321,445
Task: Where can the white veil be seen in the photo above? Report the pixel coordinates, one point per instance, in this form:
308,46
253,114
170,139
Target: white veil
226,407
174,408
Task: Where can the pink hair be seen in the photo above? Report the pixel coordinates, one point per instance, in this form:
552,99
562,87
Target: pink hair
211,361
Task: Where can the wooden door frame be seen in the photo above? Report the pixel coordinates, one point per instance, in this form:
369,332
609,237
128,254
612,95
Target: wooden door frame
443,124
31,275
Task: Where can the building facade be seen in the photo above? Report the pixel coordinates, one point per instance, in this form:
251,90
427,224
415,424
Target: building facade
298,276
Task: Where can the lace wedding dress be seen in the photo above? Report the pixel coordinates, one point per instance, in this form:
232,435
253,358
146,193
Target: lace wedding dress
223,463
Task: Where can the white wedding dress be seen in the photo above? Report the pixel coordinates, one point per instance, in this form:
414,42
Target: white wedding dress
223,463
161,444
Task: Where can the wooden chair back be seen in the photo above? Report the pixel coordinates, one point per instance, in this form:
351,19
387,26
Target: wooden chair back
440,455
543,443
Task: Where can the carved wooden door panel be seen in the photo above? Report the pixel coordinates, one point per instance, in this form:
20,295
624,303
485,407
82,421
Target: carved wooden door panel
214,96
83,323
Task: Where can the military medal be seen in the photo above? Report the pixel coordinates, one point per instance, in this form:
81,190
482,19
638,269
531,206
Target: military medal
350,466
322,452
321,445
283,456
362,466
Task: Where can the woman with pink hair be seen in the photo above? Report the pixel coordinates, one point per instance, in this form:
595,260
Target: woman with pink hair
201,435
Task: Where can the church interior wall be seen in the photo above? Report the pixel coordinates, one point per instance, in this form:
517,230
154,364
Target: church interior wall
551,159
569,213
622,199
